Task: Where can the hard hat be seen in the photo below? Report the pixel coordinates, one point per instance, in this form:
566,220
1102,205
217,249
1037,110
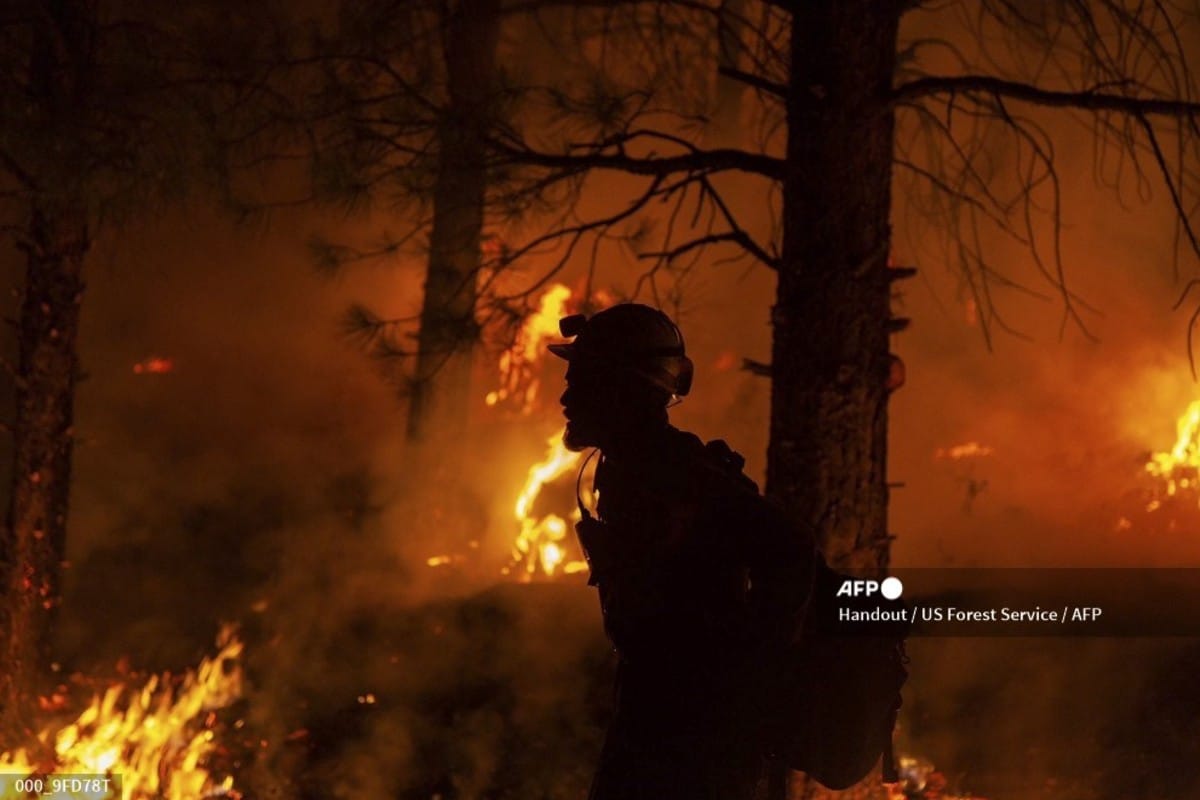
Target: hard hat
632,337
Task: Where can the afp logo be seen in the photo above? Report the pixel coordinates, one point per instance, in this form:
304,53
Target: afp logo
890,588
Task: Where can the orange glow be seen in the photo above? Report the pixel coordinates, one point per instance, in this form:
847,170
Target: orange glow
539,545
157,739
154,365
962,451
726,361
519,364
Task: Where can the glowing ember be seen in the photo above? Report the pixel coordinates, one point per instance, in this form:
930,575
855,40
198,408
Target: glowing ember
157,739
540,544
153,366
920,780
519,364
966,450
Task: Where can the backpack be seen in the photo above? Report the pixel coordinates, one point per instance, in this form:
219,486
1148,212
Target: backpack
839,692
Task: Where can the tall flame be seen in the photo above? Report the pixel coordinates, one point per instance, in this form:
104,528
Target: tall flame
519,364
539,545
156,740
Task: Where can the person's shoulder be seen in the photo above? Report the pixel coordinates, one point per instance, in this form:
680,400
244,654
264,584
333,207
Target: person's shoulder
712,465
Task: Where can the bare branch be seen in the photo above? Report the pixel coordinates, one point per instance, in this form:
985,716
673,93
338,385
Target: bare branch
1177,201
737,237
724,159
1085,100
755,81
756,367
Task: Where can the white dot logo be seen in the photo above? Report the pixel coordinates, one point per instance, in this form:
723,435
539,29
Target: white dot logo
891,588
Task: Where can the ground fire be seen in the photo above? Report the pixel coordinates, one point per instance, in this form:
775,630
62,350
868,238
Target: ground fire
157,739
1177,471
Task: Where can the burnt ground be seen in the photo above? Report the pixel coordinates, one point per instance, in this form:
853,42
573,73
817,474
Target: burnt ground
504,693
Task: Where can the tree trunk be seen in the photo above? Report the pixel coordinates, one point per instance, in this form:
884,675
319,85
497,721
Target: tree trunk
829,392
55,241
441,386
35,535
826,461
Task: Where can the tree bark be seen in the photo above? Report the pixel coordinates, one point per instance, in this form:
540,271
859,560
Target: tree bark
35,535
55,242
828,439
441,385
826,461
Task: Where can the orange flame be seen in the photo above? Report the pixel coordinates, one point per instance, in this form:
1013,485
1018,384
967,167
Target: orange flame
1179,468
155,741
519,364
540,543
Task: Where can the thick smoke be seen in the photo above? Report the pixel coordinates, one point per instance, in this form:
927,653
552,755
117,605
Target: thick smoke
263,479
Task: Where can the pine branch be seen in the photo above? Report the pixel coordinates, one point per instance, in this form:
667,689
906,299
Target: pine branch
738,237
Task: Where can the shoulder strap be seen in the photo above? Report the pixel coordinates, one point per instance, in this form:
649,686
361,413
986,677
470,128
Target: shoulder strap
730,462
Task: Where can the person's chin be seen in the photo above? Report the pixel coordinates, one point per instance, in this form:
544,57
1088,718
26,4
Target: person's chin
576,437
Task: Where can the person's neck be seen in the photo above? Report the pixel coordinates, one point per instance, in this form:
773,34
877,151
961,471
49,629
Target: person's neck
634,437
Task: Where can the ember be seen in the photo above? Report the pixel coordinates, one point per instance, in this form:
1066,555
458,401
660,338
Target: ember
153,365
966,450
919,780
157,740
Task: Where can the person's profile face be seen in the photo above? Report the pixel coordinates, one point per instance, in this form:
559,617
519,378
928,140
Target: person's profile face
588,406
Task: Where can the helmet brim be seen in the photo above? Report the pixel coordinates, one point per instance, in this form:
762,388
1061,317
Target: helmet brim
563,351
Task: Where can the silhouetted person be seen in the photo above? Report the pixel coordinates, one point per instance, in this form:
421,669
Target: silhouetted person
701,581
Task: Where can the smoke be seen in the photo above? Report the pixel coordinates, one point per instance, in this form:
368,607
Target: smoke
263,479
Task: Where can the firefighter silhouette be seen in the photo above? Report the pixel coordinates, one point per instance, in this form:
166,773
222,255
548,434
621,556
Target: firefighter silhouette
701,582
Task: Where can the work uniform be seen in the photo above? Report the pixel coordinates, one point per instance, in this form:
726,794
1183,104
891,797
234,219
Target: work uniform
701,585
